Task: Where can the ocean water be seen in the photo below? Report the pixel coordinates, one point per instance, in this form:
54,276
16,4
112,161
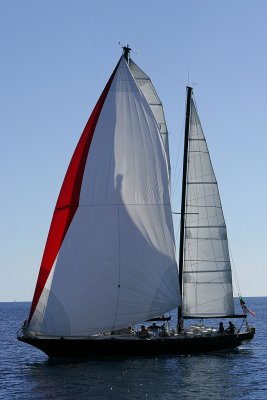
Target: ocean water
26,373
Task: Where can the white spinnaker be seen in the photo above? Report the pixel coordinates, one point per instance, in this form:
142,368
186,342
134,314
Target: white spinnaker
116,266
148,90
207,279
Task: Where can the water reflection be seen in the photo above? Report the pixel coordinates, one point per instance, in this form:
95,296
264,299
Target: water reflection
205,376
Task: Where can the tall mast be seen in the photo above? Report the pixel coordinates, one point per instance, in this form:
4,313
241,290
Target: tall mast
182,222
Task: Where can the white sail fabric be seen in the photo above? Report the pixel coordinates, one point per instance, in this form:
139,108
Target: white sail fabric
116,266
207,279
148,90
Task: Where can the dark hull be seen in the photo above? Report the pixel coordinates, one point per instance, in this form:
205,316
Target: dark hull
70,348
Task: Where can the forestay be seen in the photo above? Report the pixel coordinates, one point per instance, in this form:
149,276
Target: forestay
207,279
116,264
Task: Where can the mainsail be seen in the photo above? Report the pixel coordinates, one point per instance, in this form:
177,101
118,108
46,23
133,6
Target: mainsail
109,260
207,279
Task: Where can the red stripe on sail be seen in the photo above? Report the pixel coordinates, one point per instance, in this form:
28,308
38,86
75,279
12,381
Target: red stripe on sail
68,199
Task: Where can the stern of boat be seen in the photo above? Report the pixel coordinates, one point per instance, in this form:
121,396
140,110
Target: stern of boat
247,335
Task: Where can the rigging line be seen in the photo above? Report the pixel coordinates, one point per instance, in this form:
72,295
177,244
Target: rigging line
177,233
234,272
176,178
160,69
177,175
175,184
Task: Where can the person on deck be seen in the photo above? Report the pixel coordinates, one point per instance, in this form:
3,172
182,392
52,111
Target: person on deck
231,328
144,334
164,332
153,327
221,327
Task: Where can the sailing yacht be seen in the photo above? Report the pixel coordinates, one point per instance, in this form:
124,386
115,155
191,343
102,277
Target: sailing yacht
109,263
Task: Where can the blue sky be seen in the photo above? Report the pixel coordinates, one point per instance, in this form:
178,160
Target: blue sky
56,56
